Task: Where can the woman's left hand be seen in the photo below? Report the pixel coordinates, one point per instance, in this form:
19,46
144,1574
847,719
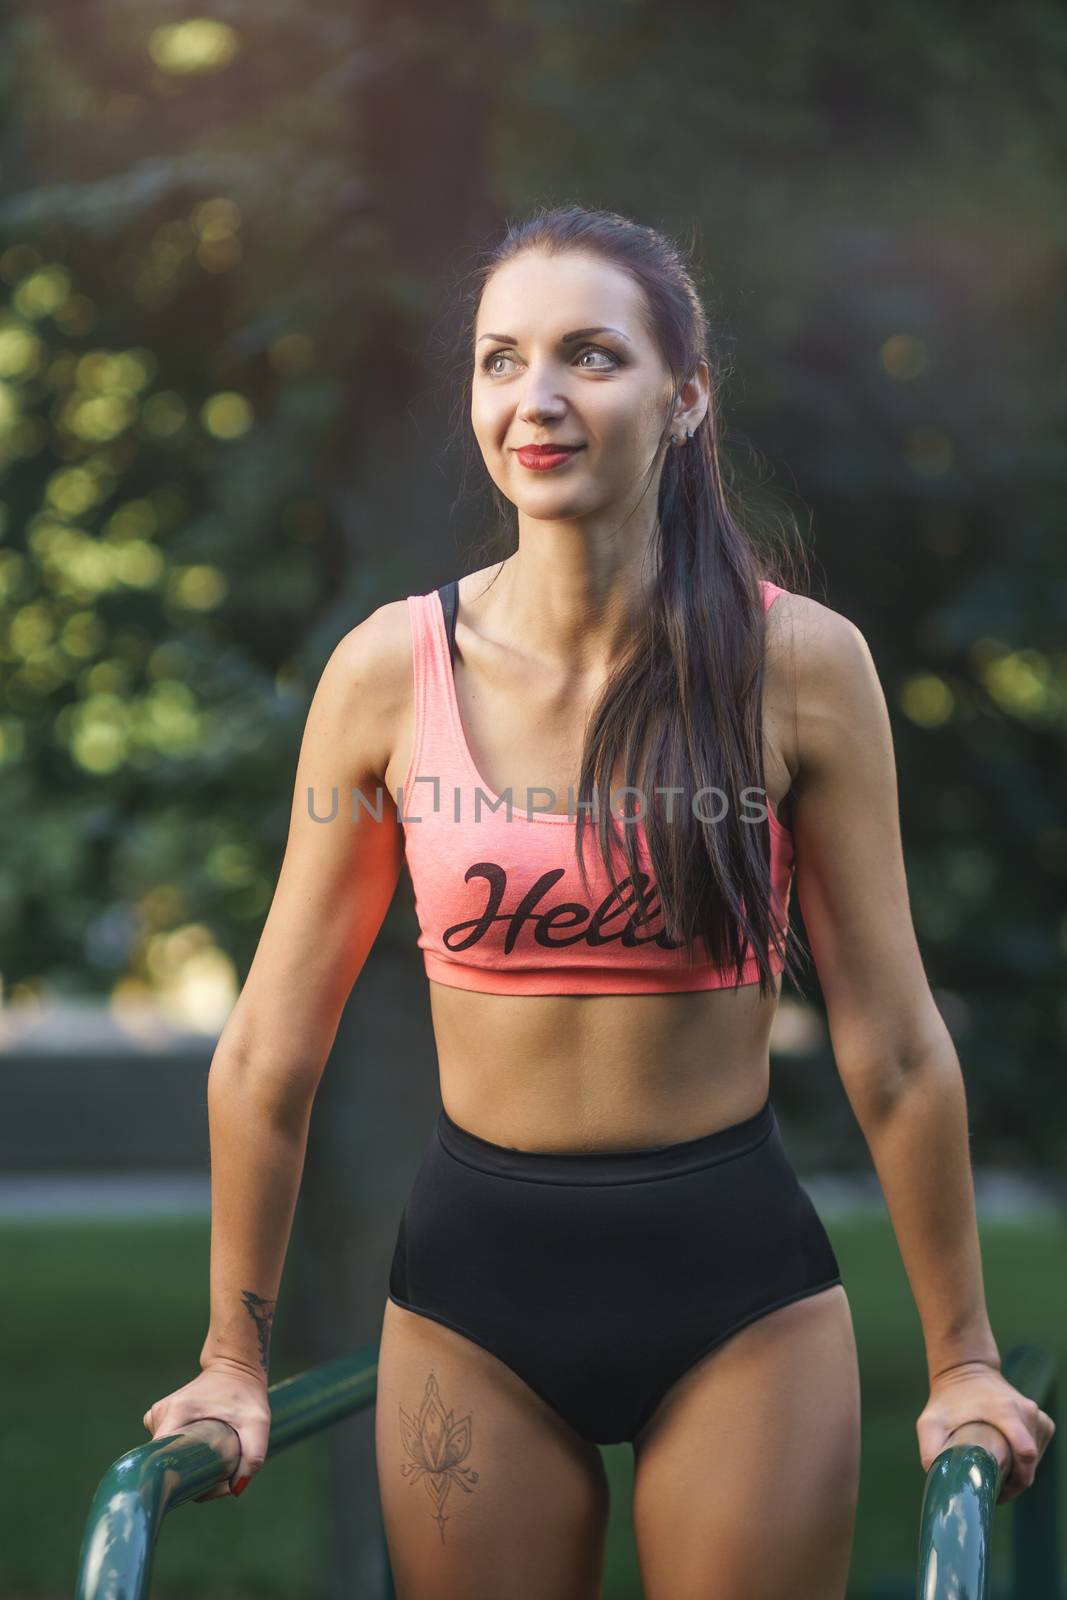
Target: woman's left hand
976,1392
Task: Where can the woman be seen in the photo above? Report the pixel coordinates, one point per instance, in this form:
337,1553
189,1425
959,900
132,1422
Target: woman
605,1239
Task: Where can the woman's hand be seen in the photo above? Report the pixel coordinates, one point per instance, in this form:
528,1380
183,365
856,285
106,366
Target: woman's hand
976,1392
232,1393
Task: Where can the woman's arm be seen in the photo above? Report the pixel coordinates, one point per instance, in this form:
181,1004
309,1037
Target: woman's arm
334,888
892,1048
893,1051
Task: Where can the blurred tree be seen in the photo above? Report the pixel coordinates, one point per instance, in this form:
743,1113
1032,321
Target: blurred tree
230,247
215,423
220,412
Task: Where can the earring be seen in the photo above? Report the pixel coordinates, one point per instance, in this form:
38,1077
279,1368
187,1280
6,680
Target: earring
677,438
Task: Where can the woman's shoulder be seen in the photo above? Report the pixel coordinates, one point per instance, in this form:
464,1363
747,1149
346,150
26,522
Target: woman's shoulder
371,664
819,670
382,641
821,660
816,632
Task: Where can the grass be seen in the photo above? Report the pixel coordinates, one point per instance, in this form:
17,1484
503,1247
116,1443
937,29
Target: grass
110,1315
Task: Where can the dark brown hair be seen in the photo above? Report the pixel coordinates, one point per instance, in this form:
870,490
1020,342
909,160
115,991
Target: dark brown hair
683,709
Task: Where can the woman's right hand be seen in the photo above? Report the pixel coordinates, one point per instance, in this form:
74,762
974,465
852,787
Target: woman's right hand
232,1393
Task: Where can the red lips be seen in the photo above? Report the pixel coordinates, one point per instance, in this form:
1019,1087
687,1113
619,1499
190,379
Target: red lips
542,456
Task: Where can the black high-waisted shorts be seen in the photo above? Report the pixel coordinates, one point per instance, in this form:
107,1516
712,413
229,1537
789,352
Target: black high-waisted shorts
601,1278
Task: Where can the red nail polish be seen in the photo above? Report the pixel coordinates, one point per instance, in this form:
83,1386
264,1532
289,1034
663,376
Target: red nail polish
241,1485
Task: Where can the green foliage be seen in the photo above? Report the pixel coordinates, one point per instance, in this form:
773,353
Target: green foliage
220,278
111,1317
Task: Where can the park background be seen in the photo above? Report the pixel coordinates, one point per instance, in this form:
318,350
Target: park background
230,245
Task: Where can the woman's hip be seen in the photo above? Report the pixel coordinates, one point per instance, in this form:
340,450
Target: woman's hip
672,1230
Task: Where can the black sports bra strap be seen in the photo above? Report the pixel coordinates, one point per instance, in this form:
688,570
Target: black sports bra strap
449,593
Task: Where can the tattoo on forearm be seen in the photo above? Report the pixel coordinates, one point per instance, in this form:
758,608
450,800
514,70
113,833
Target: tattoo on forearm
437,1446
262,1313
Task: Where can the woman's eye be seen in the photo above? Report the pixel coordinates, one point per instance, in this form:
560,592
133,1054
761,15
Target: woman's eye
594,349
599,350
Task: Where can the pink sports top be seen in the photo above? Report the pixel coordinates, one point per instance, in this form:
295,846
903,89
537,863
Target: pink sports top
498,894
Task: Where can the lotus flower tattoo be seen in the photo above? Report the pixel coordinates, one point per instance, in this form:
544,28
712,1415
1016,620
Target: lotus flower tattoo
437,1446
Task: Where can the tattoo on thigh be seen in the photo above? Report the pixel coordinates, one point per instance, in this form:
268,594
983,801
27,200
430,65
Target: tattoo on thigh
437,1447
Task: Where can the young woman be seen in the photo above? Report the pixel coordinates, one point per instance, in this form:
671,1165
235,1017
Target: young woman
607,758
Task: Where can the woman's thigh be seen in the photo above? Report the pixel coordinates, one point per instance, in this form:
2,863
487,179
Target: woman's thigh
747,1475
486,1492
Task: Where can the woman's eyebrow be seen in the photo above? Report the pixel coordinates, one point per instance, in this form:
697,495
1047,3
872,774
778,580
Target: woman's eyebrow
579,333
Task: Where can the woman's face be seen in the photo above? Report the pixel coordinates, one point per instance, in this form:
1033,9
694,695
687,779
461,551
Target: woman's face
561,356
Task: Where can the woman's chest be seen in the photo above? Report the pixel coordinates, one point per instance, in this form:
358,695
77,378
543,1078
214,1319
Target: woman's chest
517,740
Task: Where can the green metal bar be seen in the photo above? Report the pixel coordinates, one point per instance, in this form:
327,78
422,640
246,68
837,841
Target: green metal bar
960,1495
962,1485
139,1488
1035,1532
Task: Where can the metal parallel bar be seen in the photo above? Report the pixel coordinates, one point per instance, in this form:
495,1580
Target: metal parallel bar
137,1491
960,1496
1035,1532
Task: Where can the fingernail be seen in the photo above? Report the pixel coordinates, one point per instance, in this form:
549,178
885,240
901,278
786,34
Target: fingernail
241,1485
